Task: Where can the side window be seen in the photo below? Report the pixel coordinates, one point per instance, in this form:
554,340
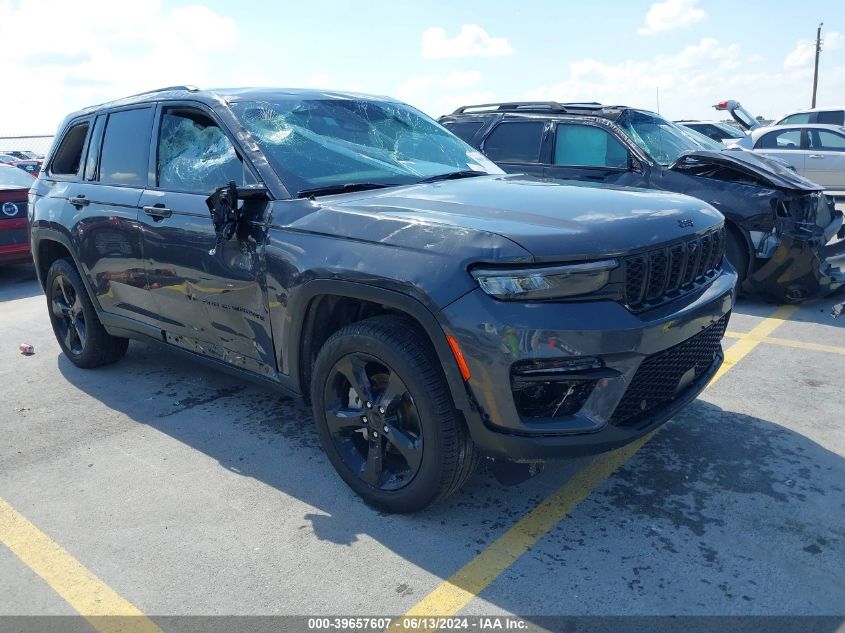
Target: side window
785,139
588,146
831,117
126,148
194,155
517,142
795,119
828,141
68,157
464,130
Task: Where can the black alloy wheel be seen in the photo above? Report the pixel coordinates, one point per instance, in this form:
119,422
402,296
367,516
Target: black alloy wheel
70,317
75,321
386,417
373,421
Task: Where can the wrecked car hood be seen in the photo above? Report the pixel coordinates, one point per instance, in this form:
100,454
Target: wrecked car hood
773,173
553,220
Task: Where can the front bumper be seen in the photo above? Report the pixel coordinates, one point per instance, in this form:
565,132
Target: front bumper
14,243
798,268
493,335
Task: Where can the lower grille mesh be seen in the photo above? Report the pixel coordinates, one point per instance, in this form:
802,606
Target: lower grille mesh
657,378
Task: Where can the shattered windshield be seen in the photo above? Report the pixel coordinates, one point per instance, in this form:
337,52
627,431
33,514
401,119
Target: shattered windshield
324,143
663,140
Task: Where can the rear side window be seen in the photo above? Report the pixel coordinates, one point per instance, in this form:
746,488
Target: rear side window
195,156
517,142
795,119
464,130
68,157
786,139
126,147
588,146
831,117
828,141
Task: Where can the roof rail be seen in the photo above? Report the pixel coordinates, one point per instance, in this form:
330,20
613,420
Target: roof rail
528,106
512,106
187,88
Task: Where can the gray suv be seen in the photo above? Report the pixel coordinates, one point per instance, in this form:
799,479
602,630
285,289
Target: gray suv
350,251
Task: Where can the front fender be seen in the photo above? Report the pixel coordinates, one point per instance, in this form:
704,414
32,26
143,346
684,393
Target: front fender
429,319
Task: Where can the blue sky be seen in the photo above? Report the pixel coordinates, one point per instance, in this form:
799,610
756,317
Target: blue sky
435,55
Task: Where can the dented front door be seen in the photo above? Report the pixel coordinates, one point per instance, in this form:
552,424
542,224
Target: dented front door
210,298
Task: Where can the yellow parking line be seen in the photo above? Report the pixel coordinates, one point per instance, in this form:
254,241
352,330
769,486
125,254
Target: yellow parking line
787,342
454,594
102,607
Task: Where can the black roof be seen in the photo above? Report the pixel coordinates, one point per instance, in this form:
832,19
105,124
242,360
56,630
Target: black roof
226,95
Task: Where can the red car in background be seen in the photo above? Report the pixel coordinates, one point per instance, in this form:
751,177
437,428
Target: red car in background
14,187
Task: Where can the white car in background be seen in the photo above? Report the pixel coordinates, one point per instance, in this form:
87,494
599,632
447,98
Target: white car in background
827,116
724,133
816,151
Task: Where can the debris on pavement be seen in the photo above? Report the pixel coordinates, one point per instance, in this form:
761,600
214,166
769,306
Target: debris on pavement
27,349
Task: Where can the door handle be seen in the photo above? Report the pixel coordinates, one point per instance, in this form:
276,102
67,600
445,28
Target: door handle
158,212
816,155
79,201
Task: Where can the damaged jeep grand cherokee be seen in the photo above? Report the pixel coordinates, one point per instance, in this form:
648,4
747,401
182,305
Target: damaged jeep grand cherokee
349,250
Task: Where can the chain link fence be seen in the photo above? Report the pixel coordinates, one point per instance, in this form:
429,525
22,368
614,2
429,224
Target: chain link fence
37,143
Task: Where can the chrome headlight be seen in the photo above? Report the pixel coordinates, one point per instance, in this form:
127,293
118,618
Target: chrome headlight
552,282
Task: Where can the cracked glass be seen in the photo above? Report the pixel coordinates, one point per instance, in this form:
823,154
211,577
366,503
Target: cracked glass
324,143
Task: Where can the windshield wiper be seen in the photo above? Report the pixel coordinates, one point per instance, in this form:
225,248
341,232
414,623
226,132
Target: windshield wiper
453,175
345,188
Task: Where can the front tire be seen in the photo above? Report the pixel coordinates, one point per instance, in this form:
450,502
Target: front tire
77,327
386,418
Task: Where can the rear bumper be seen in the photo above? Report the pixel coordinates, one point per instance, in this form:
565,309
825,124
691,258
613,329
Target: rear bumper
494,335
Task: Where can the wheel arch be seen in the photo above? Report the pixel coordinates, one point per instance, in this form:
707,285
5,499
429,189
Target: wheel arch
745,239
338,300
52,245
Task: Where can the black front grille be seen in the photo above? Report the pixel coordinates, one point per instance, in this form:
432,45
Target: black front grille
666,273
658,377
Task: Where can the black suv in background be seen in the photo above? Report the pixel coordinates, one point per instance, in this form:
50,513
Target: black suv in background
350,250
778,223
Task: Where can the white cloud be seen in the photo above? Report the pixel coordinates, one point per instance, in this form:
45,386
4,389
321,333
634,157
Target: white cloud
117,49
472,41
805,50
671,14
440,93
693,79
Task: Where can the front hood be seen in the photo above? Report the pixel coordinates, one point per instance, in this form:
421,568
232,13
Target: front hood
774,173
553,220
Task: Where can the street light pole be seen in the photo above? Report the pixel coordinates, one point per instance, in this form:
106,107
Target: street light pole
816,71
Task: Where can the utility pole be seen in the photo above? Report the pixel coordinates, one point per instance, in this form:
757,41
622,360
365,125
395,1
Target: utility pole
816,72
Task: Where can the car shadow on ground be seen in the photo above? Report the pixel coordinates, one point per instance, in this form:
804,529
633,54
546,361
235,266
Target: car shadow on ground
18,281
721,513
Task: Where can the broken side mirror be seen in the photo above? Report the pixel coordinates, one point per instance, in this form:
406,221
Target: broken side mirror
227,213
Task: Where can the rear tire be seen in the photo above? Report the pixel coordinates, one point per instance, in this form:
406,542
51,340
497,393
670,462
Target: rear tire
736,251
77,327
414,453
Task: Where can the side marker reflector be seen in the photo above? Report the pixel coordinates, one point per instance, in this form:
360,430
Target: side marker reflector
459,357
